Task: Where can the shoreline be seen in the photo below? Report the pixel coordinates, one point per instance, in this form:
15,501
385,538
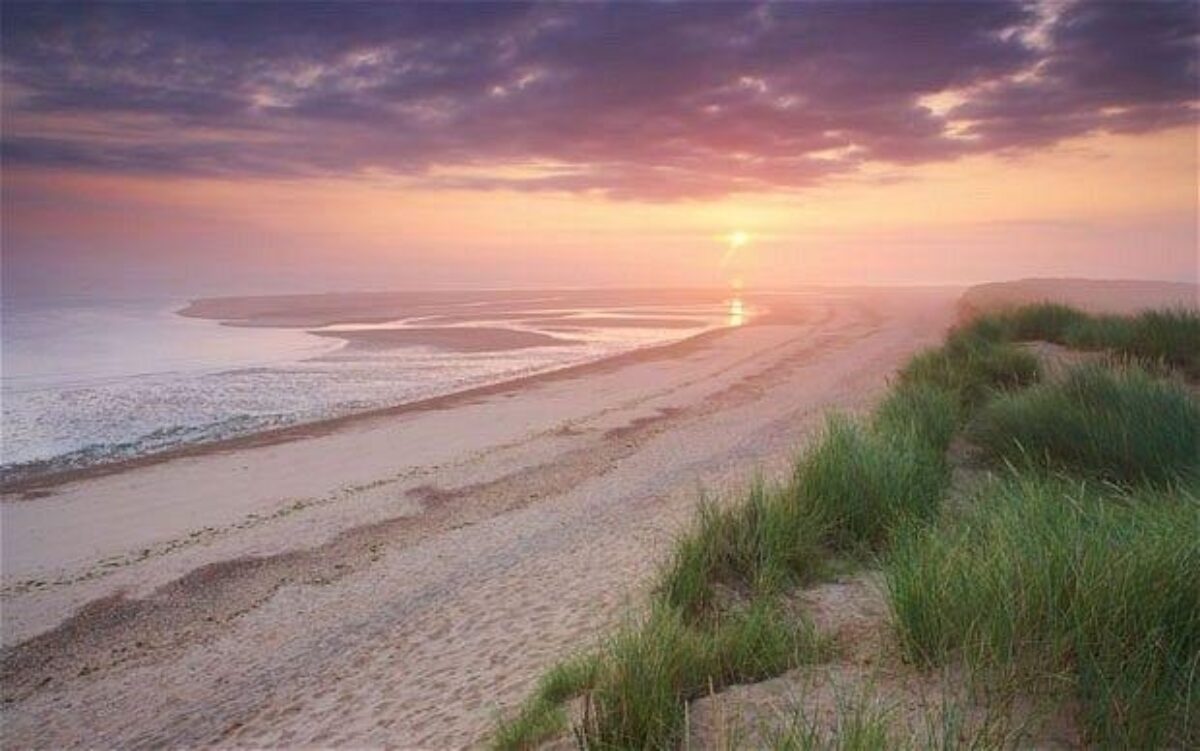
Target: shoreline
40,482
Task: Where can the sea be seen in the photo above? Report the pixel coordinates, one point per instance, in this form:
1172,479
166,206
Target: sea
87,380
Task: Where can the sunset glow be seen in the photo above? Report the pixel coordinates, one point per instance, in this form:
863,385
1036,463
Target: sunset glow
352,163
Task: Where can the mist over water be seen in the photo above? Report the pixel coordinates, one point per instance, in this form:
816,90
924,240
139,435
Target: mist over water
87,381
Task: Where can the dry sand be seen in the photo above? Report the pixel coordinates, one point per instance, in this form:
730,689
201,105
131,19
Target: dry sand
398,579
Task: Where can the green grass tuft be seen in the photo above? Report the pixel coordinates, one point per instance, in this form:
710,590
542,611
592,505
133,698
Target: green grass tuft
535,721
860,723
768,542
1066,584
1119,424
929,413
542,716
973,368
648,672
865,483
1168,336
1048,322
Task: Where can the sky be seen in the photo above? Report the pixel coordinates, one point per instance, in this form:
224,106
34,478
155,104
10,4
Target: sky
231,147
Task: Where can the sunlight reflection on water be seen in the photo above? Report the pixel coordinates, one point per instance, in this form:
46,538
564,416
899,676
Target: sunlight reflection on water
737,312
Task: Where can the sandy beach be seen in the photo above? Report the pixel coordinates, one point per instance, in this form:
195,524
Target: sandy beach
397,579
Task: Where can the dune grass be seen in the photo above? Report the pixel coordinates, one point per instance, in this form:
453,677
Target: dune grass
860,723
1062,583
972,366
635,689
854,484
868,717
1170,337
865,482
760,546
543,715
1120,424
931,414
650,671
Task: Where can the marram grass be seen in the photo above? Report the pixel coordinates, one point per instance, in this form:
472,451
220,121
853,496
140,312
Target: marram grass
1063,583
1170,337
1119,424
634,690
865,483
764,544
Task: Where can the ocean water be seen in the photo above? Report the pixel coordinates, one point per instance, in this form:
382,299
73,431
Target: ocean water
87,381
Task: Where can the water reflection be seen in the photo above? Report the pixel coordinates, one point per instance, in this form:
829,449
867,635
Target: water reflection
737,312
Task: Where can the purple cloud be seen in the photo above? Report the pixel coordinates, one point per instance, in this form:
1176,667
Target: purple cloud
656,101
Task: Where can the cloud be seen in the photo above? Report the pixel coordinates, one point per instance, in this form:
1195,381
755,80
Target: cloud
658,101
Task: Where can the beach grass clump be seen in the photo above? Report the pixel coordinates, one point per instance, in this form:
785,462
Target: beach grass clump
760,546
1063,583
634,689
543,716
1096,332
1171,337
534,722
1118,423
973,367
930,413
1047,321
648,672
865,483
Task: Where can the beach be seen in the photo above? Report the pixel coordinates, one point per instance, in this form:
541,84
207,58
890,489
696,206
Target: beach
599,375
399,577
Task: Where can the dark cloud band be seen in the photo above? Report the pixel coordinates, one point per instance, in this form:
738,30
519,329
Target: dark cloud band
657,100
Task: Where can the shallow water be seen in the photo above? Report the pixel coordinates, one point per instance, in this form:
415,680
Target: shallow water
90,381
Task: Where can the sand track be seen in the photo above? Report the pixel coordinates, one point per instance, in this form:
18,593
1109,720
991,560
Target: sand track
398,581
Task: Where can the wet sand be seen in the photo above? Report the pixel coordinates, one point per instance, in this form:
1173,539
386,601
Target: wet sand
465,339
396,579
310,311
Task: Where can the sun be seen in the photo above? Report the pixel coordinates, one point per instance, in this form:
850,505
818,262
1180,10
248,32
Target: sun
734,241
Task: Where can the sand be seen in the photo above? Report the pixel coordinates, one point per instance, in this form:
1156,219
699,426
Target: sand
380,307
465,339
397,579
